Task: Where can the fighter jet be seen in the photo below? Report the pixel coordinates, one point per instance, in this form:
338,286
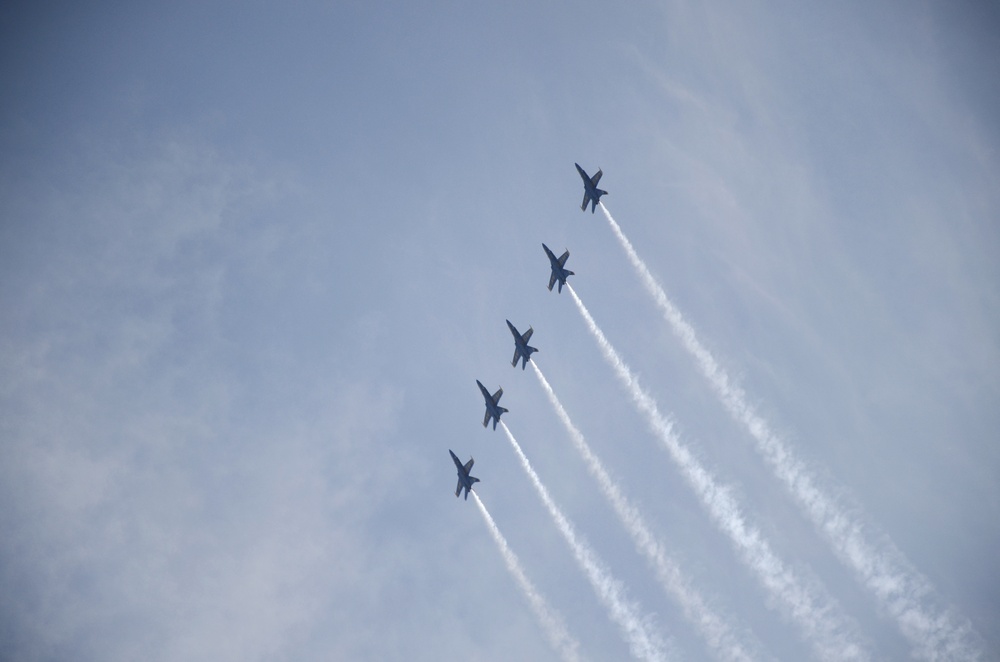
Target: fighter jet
559,272
591,193
521,349
464,478
493,410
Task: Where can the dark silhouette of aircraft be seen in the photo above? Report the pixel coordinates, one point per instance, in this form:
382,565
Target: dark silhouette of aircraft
559,272
521,349
591,193
465,479
493,409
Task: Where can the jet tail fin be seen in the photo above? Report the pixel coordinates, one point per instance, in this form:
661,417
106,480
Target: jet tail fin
586,199
497,419
597,200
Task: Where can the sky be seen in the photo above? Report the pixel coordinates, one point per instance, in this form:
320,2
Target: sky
253,258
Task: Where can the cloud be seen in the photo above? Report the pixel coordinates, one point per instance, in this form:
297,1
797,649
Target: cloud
149,513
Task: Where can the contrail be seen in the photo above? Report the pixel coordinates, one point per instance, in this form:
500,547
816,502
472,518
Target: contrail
642,643
937,633
831,635
559,637
719,634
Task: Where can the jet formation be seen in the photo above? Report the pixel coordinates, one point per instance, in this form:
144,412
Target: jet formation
591,193
559,270
521,349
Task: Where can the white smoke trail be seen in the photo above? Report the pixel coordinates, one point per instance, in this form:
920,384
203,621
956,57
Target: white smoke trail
832,636
719,634
559,637
936,632
642,643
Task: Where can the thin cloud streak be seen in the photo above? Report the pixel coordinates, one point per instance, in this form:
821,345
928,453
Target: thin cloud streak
642,643
717,633
936,633
561,640
830,634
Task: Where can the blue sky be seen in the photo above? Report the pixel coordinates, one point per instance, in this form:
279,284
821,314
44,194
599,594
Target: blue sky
253,259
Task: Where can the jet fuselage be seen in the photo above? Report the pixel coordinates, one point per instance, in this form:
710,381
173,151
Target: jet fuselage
591,193
521,349
465,479
493,408
559,272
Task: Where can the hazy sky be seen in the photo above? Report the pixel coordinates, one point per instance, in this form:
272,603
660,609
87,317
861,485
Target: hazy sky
253,258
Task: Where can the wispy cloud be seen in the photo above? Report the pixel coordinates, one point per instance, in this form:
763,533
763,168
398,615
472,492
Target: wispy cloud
145,517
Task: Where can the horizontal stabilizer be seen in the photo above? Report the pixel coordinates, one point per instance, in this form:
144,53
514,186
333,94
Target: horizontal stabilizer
586,199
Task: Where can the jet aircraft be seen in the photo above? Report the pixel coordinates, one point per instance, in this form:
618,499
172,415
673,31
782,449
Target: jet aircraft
521,349
493,409
591,193
465,479
559,271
